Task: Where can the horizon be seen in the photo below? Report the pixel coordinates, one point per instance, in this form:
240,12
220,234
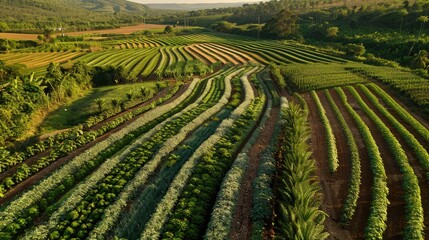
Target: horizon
195,1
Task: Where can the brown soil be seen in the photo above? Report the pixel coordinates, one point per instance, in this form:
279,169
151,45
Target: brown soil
357,225
209,54
53,166
221,54
229,52
396,208
419,116
253,55
412,158
198,55
121,30
242,224
334,186
242,55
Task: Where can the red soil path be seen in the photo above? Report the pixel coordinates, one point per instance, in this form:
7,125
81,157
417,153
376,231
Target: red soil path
242,224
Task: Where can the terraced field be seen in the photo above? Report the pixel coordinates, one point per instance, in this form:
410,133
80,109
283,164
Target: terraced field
372,153
229,154
35,60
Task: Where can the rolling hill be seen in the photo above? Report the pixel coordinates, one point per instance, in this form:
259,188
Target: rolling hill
36,14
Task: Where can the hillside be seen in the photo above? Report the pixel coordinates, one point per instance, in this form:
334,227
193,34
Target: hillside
192,7
36,14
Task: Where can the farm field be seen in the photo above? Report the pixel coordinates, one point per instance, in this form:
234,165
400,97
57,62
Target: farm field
222,137
121,30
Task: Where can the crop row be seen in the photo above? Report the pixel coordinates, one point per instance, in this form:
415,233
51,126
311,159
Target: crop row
60,146
158,218
145,151
350,203
216,158
415,145
147,155
65,177
306,77
329,135
262,184
297,211
169,145
378,210
403,113
9,159
223,211
414,211
33,60
160,61
133,220
407,83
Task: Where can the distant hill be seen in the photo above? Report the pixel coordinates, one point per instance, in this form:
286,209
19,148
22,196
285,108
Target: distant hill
30,14
192,7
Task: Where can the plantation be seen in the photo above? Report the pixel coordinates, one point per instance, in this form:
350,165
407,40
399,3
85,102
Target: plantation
190,133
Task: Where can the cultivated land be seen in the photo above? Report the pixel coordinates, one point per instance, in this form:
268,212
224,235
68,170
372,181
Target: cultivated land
120,30
212,156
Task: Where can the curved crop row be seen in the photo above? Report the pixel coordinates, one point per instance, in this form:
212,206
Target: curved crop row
100,152
154,225
112,213
125,171
378,210
216,158
404,114
59,147
262,184
329,137
350,203
297,213
414,210
224,207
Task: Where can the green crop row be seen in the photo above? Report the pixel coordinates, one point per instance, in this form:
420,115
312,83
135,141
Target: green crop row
414,211
305,77
223,211
329,137
218,159
405,82
61,146
144,205
298,194
350,203
48,190
415,145
212,105
153,148
153,227
404,114
378,210
263,195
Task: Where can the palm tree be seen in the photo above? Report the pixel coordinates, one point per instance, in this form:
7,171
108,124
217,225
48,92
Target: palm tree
423,20
47,35
420,60
144,92
100,103
130,95
114,102
403,13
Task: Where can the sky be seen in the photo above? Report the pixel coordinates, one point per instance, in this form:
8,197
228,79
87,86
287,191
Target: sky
194,1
